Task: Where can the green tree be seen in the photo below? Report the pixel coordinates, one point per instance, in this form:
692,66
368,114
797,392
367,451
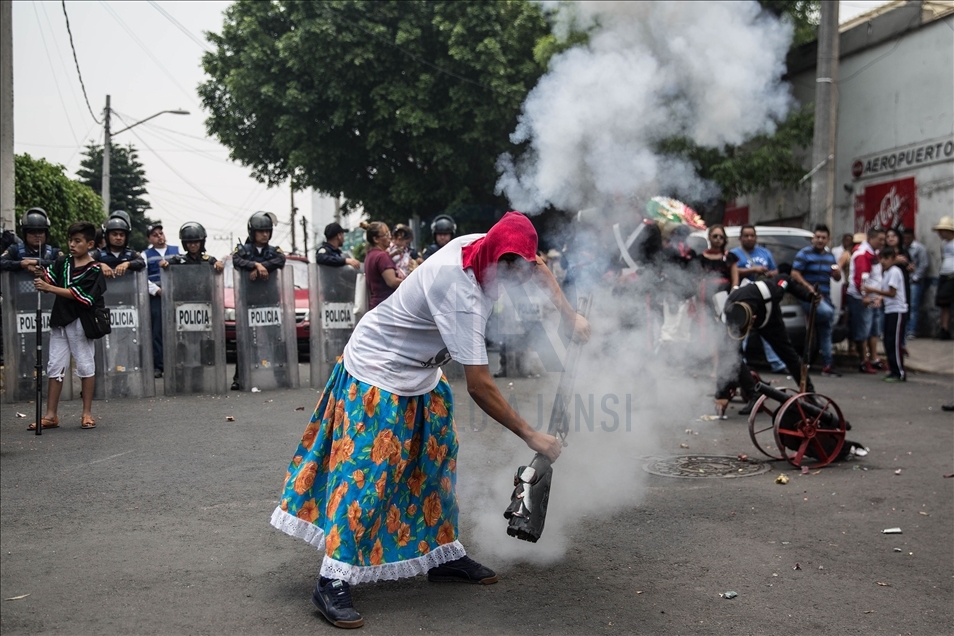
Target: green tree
127,185
399,107
40,184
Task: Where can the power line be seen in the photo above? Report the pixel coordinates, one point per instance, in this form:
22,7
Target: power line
135,38
59,55
56,82
76,60
180,26
181,176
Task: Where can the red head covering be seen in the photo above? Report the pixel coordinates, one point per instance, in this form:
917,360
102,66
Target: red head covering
513,234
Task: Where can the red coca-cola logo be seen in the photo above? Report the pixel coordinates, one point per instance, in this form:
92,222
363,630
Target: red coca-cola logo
857,168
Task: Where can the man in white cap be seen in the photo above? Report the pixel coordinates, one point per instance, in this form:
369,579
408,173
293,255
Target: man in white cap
945,286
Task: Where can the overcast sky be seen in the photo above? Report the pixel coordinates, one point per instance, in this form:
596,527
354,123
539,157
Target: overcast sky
135,53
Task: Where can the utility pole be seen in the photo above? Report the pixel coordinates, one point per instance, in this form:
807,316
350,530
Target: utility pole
291,188
7,166
106,144
826,119
304,234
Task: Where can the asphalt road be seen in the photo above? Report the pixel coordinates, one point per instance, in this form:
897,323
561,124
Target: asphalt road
157,522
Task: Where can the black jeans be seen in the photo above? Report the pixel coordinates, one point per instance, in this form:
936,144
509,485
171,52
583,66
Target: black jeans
893,335
775,334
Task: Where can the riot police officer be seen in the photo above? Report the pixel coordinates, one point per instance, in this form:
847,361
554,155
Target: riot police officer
258,258
443,228
192,235
329,253
256,255
157,252
35,228
116,258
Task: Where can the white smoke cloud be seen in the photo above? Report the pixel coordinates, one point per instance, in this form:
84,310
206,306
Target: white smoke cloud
709,71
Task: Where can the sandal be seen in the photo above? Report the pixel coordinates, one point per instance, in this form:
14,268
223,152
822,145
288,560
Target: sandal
46,422
88,422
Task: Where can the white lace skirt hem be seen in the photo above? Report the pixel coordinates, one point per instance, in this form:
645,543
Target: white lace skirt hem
354,574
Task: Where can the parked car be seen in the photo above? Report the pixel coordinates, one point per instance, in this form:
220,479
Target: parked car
784,243
298,264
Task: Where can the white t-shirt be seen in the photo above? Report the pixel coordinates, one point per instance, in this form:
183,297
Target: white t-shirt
438,313
947,257
894,278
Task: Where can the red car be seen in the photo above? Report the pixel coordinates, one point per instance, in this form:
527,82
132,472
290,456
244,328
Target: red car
299,264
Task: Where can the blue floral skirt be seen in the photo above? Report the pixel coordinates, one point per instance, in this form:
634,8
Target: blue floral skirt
372,483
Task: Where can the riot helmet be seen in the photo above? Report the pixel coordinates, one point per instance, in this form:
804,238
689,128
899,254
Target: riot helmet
35,219
443,224
117,221
192,231
262,221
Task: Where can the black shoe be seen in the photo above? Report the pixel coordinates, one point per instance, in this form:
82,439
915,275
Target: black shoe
745,410
463,570
945,335
236,387
829,372
333,600
157,374
947,407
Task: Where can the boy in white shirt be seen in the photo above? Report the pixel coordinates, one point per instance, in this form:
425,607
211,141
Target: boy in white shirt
895,312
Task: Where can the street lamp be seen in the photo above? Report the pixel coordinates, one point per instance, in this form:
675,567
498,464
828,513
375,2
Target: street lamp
106,143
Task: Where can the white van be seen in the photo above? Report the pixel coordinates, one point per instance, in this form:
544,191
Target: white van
784,243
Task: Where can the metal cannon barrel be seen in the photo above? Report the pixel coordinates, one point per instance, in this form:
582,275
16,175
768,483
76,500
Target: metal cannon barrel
828,420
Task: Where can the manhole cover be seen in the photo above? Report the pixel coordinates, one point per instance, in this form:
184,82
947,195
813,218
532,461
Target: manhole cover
704,466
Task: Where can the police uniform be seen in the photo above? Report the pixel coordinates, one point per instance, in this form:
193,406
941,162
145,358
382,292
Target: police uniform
113,260
10,261
330,255
764,298
431,249
188,259
245,257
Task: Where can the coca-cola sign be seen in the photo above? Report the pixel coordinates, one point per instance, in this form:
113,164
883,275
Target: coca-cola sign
887,204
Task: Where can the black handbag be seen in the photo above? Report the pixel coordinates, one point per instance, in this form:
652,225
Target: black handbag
95,321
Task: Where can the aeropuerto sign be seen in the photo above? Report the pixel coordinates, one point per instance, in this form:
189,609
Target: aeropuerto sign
904,158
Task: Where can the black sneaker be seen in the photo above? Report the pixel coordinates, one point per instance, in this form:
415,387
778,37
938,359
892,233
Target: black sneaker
463,570
333,600
829,372
236,387
157,374
745,410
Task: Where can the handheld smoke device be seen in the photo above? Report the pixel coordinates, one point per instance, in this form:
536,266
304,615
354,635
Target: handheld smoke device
527,511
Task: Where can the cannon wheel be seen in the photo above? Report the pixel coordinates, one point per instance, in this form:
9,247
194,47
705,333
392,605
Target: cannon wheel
762,433
816,446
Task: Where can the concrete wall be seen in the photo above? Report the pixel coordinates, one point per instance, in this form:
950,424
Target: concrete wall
897,93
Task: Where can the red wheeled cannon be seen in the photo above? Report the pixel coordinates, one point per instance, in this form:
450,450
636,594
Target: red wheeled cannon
807,429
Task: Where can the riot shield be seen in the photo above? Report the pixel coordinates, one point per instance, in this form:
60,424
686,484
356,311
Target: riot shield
124,357
193,330
19,338
331,312
266,344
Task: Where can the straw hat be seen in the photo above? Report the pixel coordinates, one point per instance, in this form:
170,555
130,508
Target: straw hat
859,238
947,223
